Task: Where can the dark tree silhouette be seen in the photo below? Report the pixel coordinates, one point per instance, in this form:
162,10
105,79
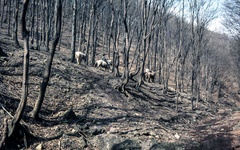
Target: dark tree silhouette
46,75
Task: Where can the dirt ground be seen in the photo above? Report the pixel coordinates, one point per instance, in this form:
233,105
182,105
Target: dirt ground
82,110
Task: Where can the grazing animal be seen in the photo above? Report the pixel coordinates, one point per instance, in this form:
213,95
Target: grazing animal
109,62
103,64
147,70
149,75
80,56
106,60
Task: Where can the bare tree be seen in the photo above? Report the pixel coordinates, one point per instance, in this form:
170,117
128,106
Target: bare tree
48,24
232,15
90,27
46,75
147,30
73,45
232,11
126,46
82,27
22,104
38,19
15,30
116,46
178,56
32,22
200,17
3,11
9,13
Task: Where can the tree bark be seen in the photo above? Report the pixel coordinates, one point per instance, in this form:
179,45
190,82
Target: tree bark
179,55
94,34
38,34
9,11
48,24
82,23
73,45
15,34
22,104
116,60
33,22
126,47
46,75
90,26
3,8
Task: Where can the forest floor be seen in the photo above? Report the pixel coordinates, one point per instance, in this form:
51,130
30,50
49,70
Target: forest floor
82,110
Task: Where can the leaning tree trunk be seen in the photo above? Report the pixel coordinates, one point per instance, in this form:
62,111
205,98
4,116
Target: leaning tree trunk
22,104
46,75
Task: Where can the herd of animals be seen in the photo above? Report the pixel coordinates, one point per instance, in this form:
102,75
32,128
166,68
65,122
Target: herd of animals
149,75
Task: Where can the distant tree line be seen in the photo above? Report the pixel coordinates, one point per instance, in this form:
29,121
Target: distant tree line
232,23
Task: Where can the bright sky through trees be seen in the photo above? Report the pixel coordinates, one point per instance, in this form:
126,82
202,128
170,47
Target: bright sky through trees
216,24
215,11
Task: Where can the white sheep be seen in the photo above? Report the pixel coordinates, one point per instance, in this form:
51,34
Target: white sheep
79,56
109,62
147,70
103,64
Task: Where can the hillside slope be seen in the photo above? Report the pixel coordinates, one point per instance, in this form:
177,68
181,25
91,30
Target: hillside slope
82,110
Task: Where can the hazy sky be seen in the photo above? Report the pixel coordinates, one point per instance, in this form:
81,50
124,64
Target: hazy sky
216,24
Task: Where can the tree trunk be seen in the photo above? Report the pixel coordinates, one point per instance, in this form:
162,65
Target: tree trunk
82,23
94,35
126,47
73,45
156,49
193,46
22,104
46,75
32,24
178,56
62,26
165,59
3,8
110,32
89,33
15,34
9,11
41,17
116,49
45,14
48,23
144,26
